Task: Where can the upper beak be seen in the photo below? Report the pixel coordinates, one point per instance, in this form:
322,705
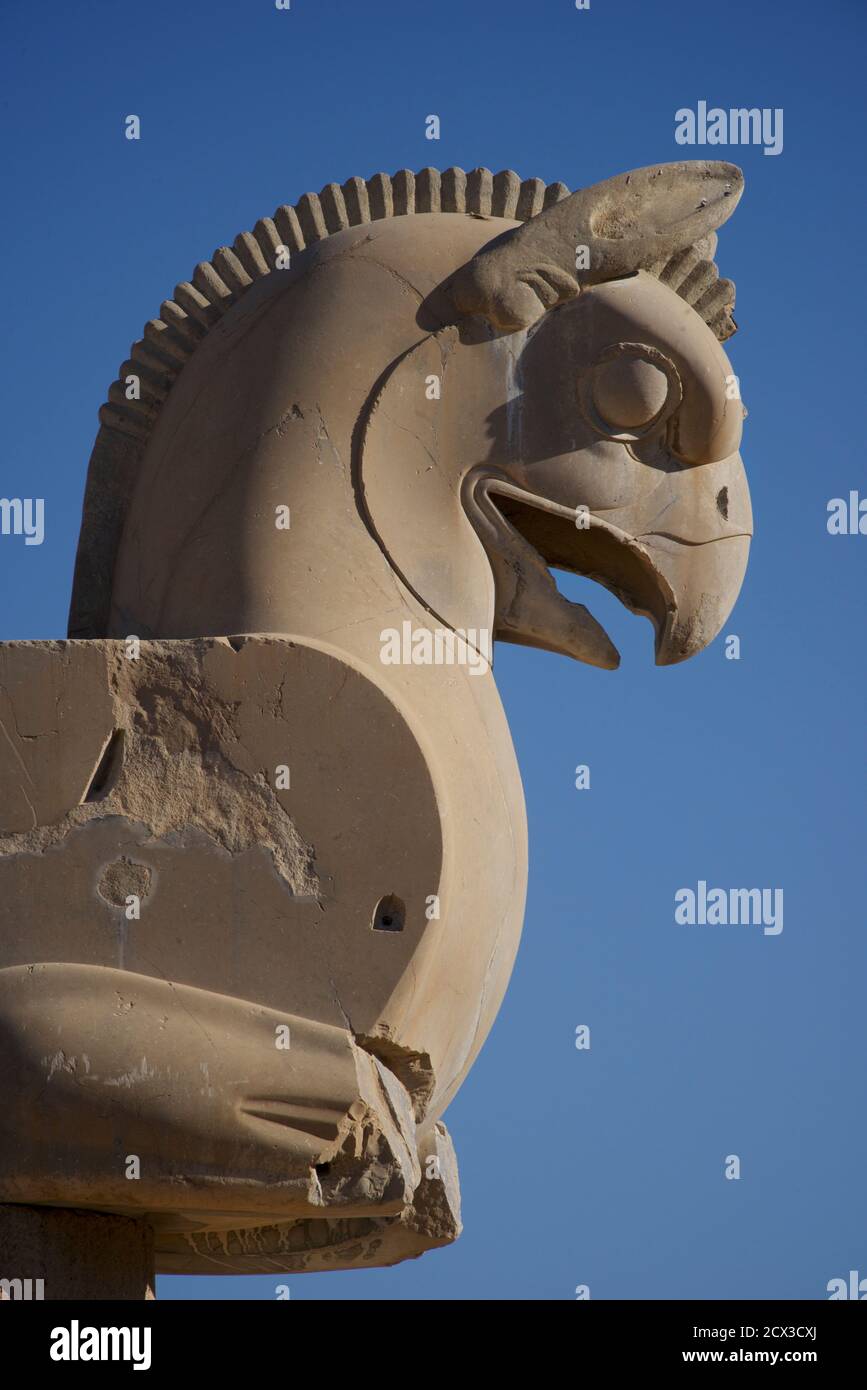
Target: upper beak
695,529
704,582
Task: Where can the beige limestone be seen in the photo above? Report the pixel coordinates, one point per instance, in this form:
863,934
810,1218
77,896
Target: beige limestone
443,408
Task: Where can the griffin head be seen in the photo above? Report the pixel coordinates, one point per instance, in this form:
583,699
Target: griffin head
588,420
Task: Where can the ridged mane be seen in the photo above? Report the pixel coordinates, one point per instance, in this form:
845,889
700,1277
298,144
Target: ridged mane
197,304
168,342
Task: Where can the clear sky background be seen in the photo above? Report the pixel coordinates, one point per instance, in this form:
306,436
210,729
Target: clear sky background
601,1167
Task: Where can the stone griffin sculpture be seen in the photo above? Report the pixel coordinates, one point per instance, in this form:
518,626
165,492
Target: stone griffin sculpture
261,889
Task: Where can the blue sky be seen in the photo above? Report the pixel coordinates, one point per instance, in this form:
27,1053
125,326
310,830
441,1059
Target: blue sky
604,1167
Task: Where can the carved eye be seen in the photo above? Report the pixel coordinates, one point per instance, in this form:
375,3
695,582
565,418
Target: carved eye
629,391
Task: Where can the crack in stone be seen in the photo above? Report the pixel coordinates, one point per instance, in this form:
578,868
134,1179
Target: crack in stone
178,775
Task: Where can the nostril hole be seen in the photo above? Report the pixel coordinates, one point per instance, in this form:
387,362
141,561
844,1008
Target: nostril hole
389,914
722,502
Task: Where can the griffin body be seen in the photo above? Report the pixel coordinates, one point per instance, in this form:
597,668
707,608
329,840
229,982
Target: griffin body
405,429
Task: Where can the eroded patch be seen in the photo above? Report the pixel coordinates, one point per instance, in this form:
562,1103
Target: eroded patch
122,879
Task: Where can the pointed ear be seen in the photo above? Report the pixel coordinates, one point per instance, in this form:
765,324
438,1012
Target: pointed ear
414,448
631,222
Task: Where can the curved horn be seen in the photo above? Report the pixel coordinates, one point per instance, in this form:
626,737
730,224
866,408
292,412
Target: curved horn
631,222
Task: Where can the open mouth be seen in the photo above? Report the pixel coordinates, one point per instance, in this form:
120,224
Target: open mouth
527,536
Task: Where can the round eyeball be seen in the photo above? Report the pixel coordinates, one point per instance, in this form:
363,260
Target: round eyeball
629,392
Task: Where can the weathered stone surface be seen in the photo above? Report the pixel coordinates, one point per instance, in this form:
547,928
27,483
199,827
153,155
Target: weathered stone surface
366,464
156,1034
332,1242
635,221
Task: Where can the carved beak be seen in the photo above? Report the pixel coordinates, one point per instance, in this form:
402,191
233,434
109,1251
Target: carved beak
678,560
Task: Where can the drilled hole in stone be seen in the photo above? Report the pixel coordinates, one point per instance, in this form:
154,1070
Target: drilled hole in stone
107,769
390,914
722,502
